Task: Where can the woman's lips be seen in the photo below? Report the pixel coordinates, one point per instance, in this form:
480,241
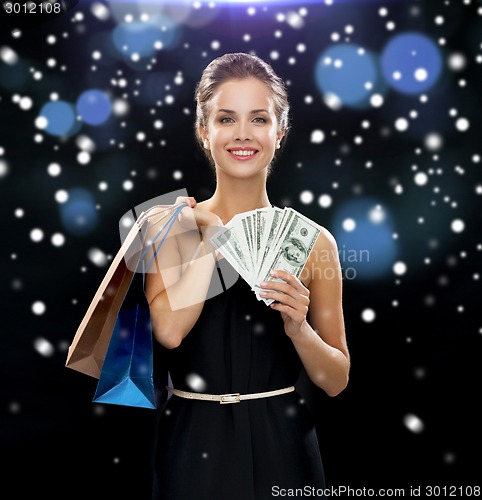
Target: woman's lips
244,157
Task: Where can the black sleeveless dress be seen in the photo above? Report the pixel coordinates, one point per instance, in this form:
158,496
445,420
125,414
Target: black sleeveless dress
241,451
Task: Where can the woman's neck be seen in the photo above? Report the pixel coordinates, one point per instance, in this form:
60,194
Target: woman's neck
237,196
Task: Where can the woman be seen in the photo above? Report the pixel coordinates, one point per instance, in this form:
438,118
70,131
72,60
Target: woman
232,342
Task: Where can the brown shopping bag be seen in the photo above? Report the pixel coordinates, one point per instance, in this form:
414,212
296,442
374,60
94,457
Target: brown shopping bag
87,352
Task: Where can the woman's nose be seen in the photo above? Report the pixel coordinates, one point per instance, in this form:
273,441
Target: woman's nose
242,131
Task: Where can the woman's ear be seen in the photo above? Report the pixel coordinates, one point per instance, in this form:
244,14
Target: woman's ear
279,138
204,136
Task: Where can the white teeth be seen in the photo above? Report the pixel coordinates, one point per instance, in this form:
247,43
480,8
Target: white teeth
243,153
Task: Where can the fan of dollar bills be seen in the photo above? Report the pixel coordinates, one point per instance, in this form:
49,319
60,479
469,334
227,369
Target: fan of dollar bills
268,238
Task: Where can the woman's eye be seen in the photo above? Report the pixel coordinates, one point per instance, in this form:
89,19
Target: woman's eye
228,119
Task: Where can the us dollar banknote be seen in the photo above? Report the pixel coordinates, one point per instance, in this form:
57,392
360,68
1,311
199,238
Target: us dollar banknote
258,241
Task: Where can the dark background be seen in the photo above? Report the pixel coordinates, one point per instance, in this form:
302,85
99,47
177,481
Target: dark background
417,361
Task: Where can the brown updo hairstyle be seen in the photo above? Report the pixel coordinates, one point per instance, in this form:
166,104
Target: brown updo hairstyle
238,66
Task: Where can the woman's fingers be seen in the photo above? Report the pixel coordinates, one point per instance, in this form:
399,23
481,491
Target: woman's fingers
190,200
290,285
194,218
291,299
290,291
186,217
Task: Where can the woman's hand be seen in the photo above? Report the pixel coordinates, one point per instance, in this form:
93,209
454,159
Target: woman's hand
194,217
206,223
292,300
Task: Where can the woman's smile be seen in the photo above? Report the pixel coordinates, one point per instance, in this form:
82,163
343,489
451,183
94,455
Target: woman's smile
243,153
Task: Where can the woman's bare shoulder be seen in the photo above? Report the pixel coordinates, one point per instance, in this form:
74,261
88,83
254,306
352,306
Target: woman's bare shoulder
325,240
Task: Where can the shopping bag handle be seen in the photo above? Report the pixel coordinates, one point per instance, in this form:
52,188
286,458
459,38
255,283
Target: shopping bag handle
169,223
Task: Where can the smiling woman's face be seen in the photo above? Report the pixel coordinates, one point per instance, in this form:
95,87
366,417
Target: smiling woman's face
242,129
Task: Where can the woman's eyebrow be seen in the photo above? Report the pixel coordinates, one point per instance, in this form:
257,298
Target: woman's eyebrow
232,112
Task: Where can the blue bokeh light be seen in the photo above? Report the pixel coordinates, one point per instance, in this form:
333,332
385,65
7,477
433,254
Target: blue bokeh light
411,63
78,214
367,251
350,73
94,107
61,117
144,38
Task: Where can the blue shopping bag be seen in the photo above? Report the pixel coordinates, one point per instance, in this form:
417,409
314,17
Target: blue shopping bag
127,373
126,376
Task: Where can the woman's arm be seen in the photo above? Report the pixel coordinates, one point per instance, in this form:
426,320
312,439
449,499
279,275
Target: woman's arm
177,290
313,316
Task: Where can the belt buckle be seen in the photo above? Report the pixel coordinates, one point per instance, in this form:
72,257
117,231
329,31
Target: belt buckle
230,398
